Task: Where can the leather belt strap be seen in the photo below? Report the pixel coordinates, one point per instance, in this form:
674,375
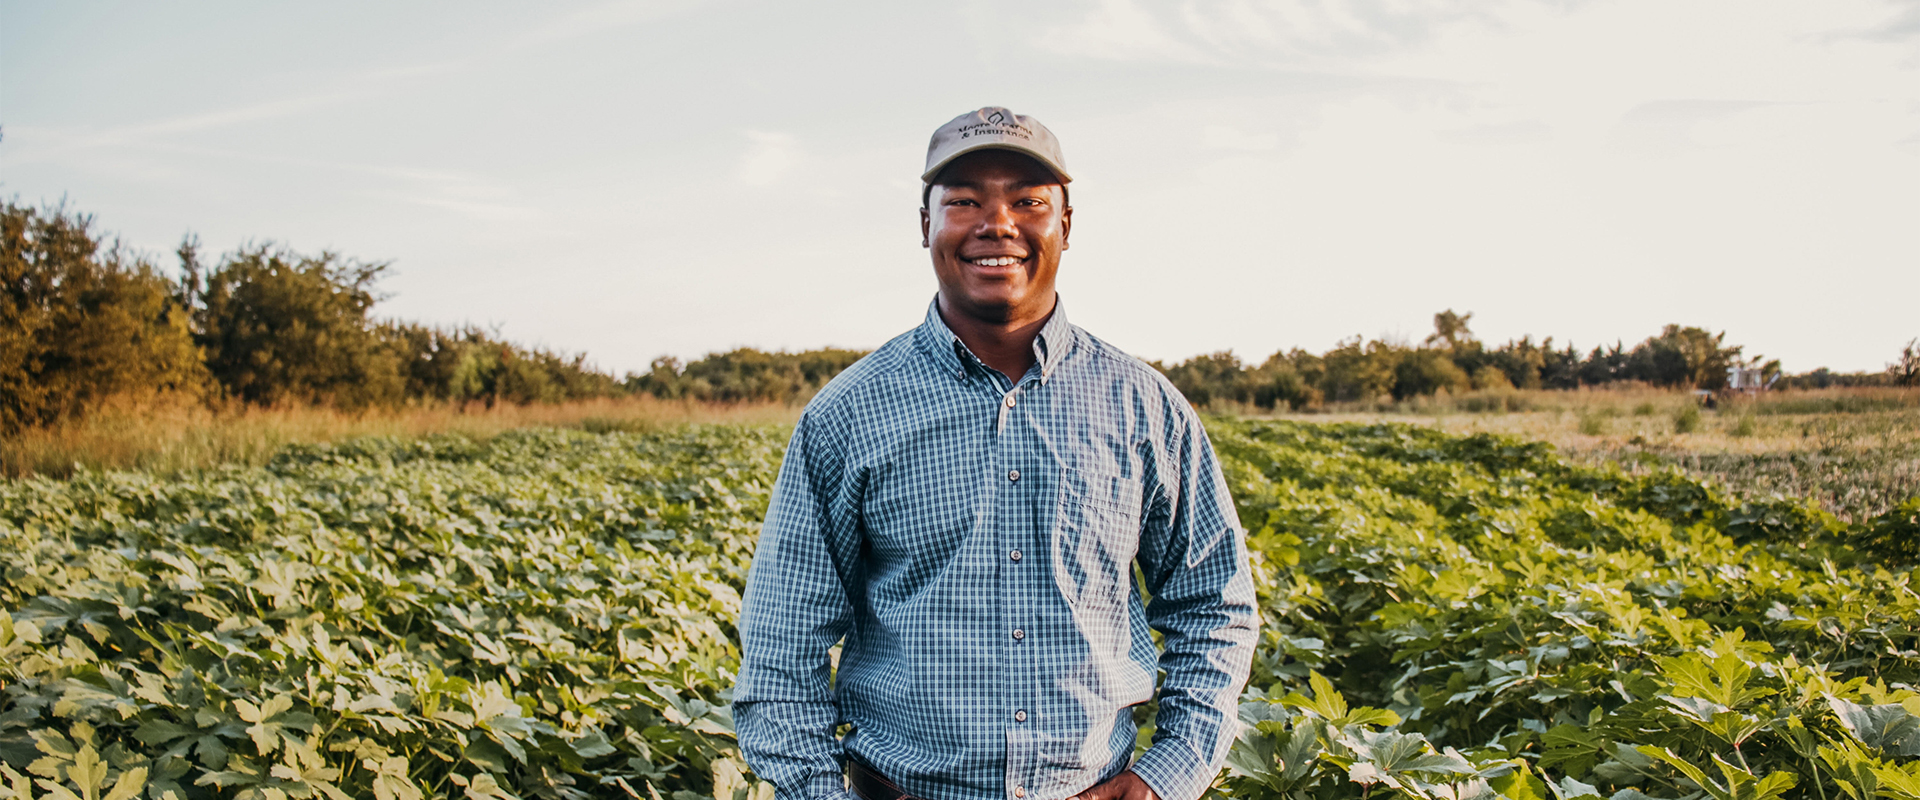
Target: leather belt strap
869,784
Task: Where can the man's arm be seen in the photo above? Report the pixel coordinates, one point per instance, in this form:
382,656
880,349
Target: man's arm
1193,557
795,610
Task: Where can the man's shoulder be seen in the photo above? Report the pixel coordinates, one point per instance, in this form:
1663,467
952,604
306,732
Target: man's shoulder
889,362
1121,366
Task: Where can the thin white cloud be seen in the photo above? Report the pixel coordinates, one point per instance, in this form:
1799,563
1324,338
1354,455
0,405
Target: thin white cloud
1902,25
1283,33
466,194
768,158
473,209
52,143
1122,30
1227,137
600,18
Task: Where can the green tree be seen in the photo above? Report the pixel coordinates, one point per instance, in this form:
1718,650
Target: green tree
1683,357
745,375
80,322
468,364
281,327
1280,380
1426,372
1357,370
1210,378
1450,329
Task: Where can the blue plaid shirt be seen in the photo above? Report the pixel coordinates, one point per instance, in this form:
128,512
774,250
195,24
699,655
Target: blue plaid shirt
974,544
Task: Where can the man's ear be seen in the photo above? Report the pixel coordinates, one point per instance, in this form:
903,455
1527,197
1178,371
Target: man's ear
1066,227
926,227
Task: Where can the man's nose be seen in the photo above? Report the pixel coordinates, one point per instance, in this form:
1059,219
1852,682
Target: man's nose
997,223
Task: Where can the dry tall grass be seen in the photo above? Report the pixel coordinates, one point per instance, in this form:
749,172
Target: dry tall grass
1855,451
171,434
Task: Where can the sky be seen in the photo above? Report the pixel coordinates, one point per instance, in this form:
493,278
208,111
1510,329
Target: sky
641,178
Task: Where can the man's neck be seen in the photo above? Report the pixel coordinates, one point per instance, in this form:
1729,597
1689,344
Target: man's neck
1005,346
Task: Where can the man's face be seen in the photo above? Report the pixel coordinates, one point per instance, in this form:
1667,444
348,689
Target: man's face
996,222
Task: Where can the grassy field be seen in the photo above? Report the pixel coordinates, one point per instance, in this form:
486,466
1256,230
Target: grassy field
167,435
1853,452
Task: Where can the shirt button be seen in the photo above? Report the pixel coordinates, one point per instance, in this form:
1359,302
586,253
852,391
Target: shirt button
1013,475
1020,716
1019,791
1015,555
1019,634
1010,401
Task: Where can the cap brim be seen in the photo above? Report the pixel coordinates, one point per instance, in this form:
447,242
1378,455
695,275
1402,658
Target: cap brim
934,171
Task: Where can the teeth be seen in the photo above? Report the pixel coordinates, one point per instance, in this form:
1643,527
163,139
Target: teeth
1002,261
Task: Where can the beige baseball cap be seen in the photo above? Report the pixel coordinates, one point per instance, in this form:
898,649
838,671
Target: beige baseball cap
993,128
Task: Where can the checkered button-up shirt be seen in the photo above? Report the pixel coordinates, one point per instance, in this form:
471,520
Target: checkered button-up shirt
974,542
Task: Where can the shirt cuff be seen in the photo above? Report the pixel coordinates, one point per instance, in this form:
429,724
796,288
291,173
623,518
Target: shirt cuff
1173,771
827,787
823,786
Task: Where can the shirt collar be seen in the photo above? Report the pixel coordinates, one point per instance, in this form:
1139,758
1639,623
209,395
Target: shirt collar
1050,346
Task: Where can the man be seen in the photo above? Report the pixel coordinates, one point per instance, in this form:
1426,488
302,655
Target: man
965,507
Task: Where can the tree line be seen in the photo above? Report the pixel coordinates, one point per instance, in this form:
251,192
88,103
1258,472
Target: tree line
84,319
1453,361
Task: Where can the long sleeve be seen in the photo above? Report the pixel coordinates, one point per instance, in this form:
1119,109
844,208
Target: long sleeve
1193,557
795,609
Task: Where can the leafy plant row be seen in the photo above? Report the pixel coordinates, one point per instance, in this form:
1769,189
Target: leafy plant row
1517,627
551,614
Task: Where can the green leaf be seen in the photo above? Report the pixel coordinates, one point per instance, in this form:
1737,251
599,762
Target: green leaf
1889,728
129,784
1326,700
87,771
1692,772
390,781
487,755
1519,784
1569,788
1723,680
593,745
484,787
160,731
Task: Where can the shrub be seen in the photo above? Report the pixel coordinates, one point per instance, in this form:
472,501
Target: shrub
1427,372
1745,427
81,322
282,327
1687,419
1894,535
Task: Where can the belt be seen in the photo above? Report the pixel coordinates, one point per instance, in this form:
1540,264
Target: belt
868,784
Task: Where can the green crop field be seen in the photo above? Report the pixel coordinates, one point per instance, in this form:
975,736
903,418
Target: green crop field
550,613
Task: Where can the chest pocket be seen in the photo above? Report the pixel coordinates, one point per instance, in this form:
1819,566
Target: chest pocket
1096,534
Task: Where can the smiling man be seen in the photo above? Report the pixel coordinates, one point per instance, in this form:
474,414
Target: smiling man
990,514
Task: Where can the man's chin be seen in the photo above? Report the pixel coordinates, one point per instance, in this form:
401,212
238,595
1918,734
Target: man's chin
990,313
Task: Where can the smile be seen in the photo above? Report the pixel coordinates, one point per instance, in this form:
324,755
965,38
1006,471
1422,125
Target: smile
995,261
